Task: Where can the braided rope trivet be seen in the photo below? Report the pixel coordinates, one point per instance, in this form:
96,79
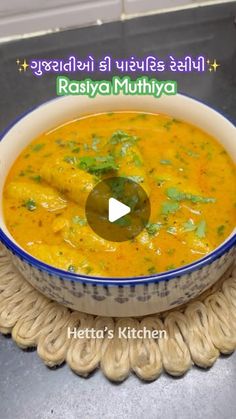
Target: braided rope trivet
196,333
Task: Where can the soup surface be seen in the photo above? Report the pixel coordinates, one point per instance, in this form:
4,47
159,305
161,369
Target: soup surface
188,176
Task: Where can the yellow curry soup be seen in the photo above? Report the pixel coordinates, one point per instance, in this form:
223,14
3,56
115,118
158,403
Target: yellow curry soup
188,176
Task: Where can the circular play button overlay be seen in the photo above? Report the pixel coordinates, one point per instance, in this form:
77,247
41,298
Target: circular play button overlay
117,209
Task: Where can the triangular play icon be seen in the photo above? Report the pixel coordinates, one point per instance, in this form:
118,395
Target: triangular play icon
117,210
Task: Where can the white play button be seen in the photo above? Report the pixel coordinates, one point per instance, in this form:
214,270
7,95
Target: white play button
117,210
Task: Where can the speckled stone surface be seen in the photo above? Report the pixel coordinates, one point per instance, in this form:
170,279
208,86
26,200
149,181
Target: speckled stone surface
27,388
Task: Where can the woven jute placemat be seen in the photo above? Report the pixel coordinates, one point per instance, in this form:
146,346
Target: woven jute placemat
194,334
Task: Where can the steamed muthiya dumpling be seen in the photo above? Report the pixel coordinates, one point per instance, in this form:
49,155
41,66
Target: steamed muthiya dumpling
45,196
78,234
68,179
63,257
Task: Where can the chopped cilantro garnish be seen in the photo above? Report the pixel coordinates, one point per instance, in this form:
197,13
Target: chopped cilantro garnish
172,230
71,268
141,116
71,159
167,125
192,154
165,162
221,230
189,225
122,137
91,164
137,160
153,228
124,148
30,204
60,142
176,121
95,142
37,147
176,195
97,164
88,269
36,178
72,144
117,187
78,220
152,270
201,229
169,207
85,146
170,252
170,267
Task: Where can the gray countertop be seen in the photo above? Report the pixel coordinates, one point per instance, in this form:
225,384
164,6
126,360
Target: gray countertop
28,389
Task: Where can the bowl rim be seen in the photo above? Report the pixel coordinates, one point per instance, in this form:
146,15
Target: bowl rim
115,281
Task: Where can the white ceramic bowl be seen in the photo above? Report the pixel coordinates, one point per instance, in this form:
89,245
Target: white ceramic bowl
113,296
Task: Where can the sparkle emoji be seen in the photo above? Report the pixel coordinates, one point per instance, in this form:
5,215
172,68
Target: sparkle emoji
213,65
22,66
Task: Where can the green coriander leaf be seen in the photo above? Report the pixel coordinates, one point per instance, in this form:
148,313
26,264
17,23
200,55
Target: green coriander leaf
192,154
201,229
167,125
60,142
71,159
221,230
97,164
72,144
76,150
120,136
95,142
152,270
137,160
169,207
88,269
177,195
36,178
172,230
189,226
37,147
153,228
170,267
170,252
30,204
124,148
78,220
141,116
117,187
